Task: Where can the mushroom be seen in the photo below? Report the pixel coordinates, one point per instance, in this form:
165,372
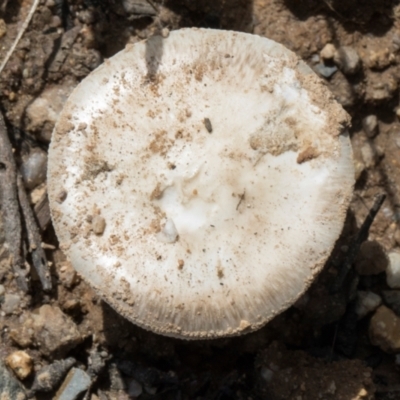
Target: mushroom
199,182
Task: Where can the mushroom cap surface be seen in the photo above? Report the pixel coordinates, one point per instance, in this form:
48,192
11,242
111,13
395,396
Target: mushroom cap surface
199,182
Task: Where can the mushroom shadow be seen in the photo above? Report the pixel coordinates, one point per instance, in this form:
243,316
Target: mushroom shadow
373,16
216,14
153,55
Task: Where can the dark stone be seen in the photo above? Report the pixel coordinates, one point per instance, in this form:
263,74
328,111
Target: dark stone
325,71
10,388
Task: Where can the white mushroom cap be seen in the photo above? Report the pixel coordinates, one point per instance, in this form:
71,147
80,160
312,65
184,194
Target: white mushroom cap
199,182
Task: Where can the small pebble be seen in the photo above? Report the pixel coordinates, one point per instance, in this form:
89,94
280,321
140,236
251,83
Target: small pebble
150,390
371,259
138,7
164,32
392,300
68,276
366,303
393,270
370,126
11,303
347,59
54,332
396,236
384,330
116,380
135,388
98,224
342,90
267,374
328,52
315,58
2,291
325,70
368,156
49,377
331,389
21,363
75,383
359,168
43,112
34,167
397,111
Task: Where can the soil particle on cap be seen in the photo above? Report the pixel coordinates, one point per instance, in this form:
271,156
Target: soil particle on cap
61,196
306,155
98,224
207,124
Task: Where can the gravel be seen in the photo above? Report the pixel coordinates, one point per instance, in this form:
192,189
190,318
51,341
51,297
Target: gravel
325,71
76,382
384,330
347,60
21,363
392,300
34,167
366,303
370,126
11,303
371,259
54,333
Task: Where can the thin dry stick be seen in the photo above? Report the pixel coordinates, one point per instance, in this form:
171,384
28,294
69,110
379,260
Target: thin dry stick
39,259
153,5
20,33
356,242
9,203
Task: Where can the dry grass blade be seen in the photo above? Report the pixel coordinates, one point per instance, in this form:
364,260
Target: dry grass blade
20,34
9,202
39,259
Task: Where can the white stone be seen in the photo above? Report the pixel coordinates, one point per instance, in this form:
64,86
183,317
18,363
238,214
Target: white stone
393,270
366,303
328,52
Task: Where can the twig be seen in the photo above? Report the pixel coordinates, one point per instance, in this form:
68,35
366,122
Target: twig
39,259
9,202
355,244
152,5
242,196
42,212
20,33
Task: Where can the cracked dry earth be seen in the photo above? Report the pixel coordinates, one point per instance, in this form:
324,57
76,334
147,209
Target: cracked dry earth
68,344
